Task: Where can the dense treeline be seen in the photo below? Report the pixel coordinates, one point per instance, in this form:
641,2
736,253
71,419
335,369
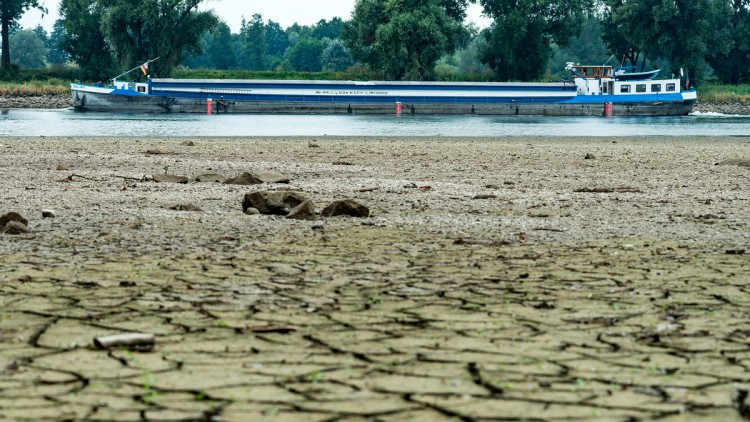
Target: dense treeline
393,39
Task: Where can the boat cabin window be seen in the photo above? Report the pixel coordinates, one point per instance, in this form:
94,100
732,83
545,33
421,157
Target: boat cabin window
624,89
671,88
640,88
594,72
655,87
141,88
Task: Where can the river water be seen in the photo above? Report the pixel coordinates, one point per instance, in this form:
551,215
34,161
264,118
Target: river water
67,122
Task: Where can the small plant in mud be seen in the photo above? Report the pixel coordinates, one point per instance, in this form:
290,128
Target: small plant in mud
315,377
149,395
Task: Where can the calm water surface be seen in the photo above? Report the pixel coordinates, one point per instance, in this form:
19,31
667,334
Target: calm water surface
25,122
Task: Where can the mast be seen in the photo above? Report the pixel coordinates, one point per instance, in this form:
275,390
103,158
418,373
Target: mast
137,67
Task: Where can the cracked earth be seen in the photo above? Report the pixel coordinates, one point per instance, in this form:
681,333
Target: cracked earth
536,279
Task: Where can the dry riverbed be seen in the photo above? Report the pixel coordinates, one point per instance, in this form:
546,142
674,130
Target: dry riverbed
495,279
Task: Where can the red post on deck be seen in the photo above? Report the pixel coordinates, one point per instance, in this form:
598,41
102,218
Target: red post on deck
607,109
209,106
398,108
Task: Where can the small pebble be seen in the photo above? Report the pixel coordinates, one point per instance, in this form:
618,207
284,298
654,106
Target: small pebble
48,213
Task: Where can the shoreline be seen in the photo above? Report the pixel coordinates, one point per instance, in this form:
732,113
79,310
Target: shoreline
64,101
525,277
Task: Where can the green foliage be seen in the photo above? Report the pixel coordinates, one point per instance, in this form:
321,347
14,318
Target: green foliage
272,75
219,50
266,46
404,39
519,43
683,32
10,12
139,30
277,39
335,56
254,51
733,66
56,55
305,55
328,29
34,88
586,48
616,41
720,93
464,64
29,48
84,41
53,76
46,81
398,39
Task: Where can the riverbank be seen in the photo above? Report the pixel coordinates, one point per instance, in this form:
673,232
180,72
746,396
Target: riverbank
64,101
533,278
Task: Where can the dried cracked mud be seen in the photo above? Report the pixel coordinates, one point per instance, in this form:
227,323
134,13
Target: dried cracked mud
535,279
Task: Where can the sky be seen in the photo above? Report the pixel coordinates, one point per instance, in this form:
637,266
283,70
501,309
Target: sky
285,12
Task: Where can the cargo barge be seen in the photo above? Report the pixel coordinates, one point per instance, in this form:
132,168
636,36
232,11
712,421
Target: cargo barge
590,91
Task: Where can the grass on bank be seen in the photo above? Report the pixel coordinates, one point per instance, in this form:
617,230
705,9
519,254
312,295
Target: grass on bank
716,93
34,88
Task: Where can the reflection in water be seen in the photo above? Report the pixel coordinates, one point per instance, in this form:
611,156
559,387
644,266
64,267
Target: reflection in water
20,122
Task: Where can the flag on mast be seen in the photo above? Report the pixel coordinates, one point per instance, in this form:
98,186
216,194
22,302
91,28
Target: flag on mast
144,68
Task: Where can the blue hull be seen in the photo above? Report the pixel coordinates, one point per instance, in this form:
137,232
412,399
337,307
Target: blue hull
330,97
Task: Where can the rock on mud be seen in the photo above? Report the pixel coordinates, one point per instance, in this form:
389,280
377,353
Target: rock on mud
210,178
258,178
13,216
169,178
346,207
15,227
303,211
275,203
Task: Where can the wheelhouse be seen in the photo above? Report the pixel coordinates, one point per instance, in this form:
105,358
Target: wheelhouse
599,80
592,72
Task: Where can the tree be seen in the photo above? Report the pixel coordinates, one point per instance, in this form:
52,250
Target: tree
586,48
616,42
277,39
56,55
139,30
30,49
328,29
84,41
41,33
683,32
255,48
220,49
733,66
305,55
335,56
403,39
519,42
10,11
